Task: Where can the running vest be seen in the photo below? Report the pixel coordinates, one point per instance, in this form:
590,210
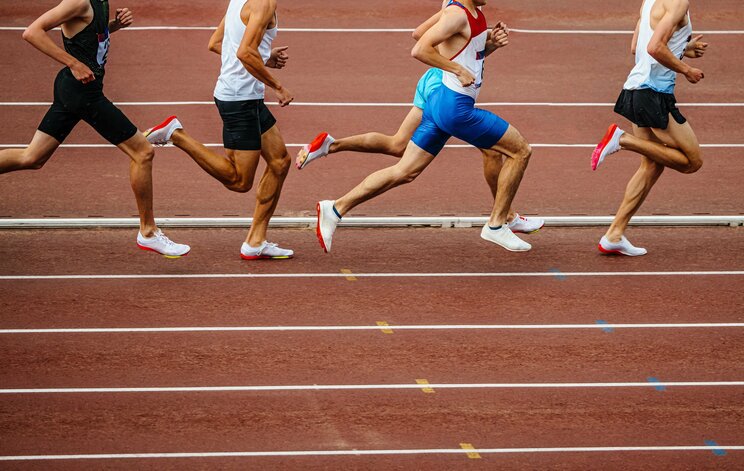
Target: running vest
472,56
91,45
648,73
235,82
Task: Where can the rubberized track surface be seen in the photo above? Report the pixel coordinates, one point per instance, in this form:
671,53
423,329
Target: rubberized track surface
692,275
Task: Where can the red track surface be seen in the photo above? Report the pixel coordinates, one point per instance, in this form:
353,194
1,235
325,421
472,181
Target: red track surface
373,68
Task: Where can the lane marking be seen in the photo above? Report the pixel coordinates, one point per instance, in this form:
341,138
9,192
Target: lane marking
470,451
427,389
315,453
385,327
658,385
717,450
366,275
372,387
349,275
381,325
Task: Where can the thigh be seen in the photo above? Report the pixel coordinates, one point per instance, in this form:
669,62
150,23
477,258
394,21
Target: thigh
481,128
410,123
108,120
42,147
241,125
245,162
272,145
512,143
58,122
679,136
414,160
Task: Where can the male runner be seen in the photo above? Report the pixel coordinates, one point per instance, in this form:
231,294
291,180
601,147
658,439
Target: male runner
461,32
395,145
661,135
78,95
244,39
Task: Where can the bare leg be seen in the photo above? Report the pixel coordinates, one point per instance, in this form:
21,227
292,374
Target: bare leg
493,161
518,153
676,147
637,190
376,143
141,154
33,157
270,187
414,161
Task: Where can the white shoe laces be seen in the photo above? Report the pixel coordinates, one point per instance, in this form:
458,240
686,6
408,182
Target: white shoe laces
164,239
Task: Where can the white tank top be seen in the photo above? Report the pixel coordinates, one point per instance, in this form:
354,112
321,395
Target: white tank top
235,82
472,56
648,73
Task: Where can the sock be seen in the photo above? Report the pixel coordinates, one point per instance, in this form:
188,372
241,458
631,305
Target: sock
335,211
495,228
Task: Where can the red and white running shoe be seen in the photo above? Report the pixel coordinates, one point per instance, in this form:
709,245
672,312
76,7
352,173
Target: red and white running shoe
320,147
327,222
624,247
609,145
161,244
523,225
266,251
161,134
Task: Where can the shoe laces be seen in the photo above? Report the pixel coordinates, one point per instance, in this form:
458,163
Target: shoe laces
164,239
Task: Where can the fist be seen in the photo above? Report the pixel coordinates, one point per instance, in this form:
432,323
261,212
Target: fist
124,17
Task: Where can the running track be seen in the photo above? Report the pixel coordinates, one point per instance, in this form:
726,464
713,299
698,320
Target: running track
558,316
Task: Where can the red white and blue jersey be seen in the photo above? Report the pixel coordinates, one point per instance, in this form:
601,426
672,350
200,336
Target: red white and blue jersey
472,56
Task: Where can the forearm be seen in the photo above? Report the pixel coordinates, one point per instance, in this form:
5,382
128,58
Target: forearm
431,57
254,64
113,26
665,57
41,41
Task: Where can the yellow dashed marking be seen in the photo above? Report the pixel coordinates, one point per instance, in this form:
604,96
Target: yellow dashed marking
385,327
425,383
471,454
349,275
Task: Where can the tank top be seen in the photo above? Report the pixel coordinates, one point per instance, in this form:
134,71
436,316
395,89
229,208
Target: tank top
235,82
648,73
91,45
472,56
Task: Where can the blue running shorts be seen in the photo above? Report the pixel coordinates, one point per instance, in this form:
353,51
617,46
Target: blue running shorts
429,83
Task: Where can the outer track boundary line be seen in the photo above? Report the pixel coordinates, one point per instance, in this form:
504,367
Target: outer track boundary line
315,453
372,387
365,275
366,328
376,104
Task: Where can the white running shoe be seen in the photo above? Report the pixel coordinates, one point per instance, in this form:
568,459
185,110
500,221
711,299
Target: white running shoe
266,251
609,145
320,147
624,247
327,222
161,244
523,225
161,134
505,238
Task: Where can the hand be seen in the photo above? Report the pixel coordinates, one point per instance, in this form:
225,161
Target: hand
284,96
465,77
124,19
499,36
82,73
279,58
694,75
696,48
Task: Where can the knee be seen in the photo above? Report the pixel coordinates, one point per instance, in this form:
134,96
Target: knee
282,165
404,176
524,153
398,147
694,165
31,161
239,186
145,155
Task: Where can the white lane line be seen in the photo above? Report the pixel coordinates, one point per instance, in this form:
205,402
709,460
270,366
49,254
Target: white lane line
367,275
353,328
379,104
423,451
449,146
372,387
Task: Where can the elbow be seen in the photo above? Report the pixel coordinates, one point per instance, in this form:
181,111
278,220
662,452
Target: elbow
247,56
417,52
27,34
416,35
654,50
213,47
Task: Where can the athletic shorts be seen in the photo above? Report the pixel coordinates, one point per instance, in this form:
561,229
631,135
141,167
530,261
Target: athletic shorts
448,114
647,108
75,101
429,82
243,123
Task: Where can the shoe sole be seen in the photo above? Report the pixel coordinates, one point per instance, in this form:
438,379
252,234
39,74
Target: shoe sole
616,252
266,257
597,154
530,232
317,230
172,257
504,247
302,158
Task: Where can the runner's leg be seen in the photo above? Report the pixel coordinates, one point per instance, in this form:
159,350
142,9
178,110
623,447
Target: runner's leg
33,157
141,154
676,147
493,161
518,153
377,143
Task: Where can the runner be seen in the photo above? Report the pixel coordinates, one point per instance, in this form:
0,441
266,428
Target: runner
460,32
661,135
244,40
78,95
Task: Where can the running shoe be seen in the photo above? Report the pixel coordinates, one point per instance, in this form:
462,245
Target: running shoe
328,219
609,145
266,251
504,237
320,147
161,244
161,134
624,247
523,225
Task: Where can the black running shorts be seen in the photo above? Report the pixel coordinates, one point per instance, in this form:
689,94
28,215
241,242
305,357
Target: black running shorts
647,108
243,123
75,101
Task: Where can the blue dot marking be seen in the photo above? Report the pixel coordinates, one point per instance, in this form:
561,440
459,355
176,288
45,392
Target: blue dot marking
659,386
608,329
558,274
716,448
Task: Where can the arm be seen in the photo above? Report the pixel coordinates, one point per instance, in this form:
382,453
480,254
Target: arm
658,48
426,25
696,49
498,37
452,22
37,36
215,42
124,19
634,44
260,15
